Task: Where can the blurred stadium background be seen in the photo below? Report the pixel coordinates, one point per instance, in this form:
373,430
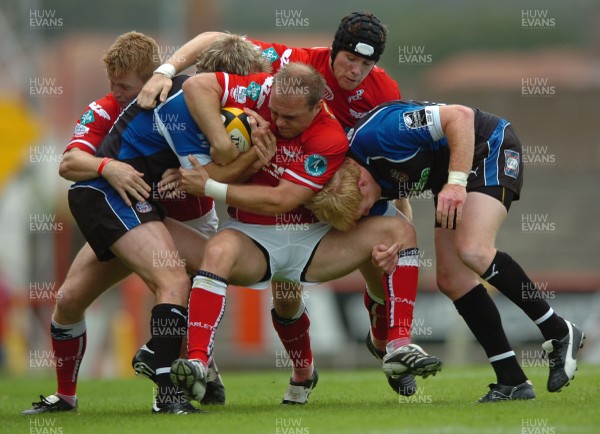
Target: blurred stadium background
536,63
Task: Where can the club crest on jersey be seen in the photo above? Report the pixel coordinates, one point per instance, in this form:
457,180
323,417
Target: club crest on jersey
87,117
270,54
143,207
315,165
357,96
415,119
328,95
512,161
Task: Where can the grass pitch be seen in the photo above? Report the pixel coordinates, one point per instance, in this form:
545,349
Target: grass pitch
344,402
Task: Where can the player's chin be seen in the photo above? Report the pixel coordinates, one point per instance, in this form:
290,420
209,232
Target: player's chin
348,84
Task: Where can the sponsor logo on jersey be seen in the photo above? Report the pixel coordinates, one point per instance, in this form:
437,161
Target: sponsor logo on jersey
253,91
285,58
87,117
80,130
396,175
98,109
357,96
238,94
415,119
511,163
143,207
315,165
357,115
270,54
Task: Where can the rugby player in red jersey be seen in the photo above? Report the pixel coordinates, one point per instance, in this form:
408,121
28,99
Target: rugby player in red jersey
259,245
354,85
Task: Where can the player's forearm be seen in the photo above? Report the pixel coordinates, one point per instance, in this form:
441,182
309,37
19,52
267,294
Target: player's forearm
186,56
236,171
459,129
78,165
261,199
202,94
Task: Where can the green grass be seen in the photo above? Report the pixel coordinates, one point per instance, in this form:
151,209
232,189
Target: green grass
344,402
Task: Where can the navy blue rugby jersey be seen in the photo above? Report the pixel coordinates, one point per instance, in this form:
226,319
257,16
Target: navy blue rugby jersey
403,146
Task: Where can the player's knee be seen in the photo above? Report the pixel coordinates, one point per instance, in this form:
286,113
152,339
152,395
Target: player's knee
401,231
473,255
70,307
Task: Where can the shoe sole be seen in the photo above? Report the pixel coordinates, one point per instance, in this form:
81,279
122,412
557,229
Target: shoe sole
183,376
142,368
392,368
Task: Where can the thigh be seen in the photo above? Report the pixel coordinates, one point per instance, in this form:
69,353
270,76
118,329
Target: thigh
235,256
149,251
189,242
340,253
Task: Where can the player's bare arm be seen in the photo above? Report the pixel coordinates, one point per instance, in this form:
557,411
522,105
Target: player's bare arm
78,165
259,199
160,83
202,95
458,126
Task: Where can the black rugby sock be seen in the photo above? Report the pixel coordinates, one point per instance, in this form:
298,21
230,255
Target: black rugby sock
481,315
168,326
510,279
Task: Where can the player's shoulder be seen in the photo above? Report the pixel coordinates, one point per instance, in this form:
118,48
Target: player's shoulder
379,79
104,109
326,130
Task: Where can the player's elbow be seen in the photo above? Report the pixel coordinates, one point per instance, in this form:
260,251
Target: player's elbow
65,168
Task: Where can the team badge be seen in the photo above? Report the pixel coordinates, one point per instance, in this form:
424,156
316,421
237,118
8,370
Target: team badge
315,165
512,161
415,119
328,95
87,117
143,207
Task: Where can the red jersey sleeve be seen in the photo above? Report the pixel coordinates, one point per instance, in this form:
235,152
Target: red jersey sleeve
280,55
250,91
94,124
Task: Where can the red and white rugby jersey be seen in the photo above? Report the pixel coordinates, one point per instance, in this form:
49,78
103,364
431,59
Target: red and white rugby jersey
348,106
90,130
309,159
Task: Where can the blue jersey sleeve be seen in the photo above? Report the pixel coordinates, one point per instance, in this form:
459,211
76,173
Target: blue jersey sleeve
175,123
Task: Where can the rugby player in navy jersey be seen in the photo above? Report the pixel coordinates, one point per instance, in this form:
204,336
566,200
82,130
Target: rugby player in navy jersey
472,162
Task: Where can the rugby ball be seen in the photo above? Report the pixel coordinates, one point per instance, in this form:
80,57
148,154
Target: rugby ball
236,124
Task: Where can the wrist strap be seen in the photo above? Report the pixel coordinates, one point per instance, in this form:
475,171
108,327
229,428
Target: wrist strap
458,178
103,164
216,190
166,69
